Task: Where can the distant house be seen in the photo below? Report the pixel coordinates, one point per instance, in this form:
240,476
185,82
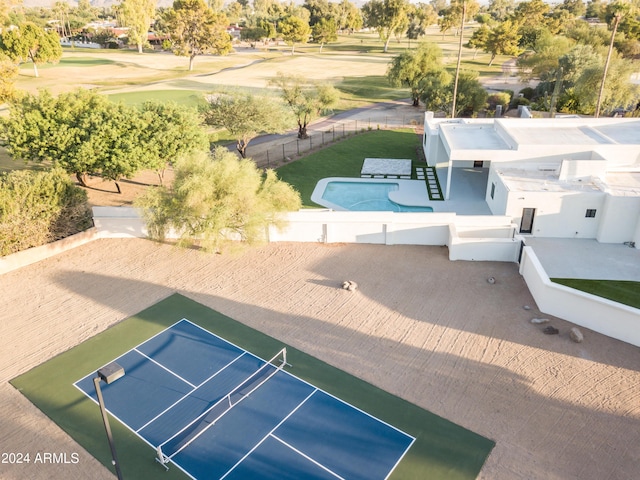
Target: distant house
235,31
556,177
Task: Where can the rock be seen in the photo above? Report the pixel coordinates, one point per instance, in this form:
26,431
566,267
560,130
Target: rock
537,321
491,280
526,307
550,330
350,285
576,335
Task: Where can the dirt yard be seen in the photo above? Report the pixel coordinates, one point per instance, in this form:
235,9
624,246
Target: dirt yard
429,330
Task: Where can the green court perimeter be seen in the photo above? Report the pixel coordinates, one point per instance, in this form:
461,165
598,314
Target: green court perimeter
442,450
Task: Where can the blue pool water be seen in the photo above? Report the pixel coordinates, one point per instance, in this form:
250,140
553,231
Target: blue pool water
366,196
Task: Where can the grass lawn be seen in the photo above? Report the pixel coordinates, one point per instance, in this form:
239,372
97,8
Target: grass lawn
182,97
442,450
344,159
621,291
113,70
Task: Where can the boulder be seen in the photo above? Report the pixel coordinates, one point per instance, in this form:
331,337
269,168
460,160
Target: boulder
538,321
350,285
576,335
550,330
526,307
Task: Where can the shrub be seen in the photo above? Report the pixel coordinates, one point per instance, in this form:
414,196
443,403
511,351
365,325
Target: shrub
496,99
519,101
527,93
39,207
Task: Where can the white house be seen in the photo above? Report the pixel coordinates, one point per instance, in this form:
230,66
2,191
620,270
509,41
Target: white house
560,177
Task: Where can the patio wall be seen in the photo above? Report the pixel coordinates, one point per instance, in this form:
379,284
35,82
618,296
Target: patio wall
493,239
596,313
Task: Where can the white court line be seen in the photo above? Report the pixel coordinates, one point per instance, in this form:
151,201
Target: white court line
307,457
189,394
269,434
139,345
165,368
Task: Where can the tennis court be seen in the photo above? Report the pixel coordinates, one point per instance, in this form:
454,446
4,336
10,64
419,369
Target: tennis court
215,410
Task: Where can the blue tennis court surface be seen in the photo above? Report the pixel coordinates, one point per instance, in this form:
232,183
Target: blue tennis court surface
219,412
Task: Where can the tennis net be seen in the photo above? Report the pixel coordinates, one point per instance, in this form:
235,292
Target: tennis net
184,437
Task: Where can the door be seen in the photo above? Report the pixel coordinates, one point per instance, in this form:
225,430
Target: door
526,225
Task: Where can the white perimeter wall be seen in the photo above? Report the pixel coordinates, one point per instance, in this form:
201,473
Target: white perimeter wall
468,238
596,313
482,237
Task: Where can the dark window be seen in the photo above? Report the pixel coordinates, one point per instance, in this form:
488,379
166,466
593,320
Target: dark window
591,213
493,190
478,164
526,224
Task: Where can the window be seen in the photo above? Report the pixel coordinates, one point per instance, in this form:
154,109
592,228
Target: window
493,189
526,225
591,213
478,164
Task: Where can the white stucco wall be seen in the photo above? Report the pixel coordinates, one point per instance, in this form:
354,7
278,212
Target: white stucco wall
497,204
558,214
596,313
619,219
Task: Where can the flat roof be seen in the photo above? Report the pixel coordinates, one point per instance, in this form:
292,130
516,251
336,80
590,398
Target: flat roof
557,135
465,136
482,134
528,180
627,133
624,184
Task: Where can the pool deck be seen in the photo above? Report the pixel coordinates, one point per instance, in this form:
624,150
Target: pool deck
412,193
466,198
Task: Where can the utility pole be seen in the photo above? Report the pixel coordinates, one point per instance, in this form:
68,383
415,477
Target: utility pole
616,21
455,83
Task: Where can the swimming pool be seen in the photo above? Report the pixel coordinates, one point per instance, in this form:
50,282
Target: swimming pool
371,195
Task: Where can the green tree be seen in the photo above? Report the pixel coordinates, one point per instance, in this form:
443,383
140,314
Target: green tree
615,12
246,116
387,17
410,67
420,16
479,38
324,31
253,35
137,16
195,30
542,63
319,9
8,75
530,17
503,40
31,42
6,7
436,90
170,132
595,9
294,30
306,101
501,9
348,16
218,199
39,207
576,8
80,131
471,96
618,91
